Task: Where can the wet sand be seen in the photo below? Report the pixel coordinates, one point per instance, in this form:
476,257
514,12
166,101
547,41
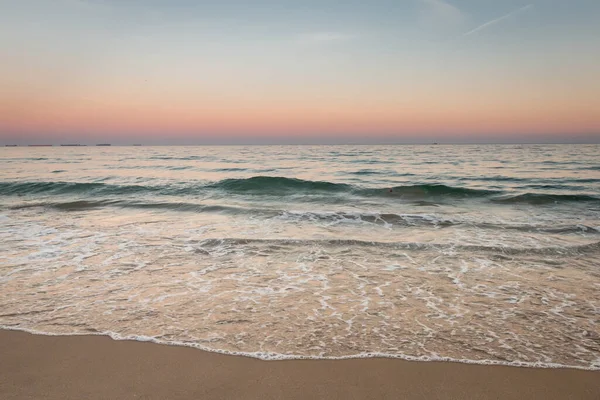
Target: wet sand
96,367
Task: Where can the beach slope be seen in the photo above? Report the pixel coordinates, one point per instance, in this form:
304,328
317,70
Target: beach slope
97,367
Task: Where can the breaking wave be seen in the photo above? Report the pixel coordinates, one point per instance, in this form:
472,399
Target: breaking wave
280,186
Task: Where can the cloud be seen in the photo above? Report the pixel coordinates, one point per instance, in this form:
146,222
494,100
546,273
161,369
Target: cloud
443,9
495,21
324,37
440,15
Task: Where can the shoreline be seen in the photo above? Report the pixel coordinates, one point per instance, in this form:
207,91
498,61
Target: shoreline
98,367
264,356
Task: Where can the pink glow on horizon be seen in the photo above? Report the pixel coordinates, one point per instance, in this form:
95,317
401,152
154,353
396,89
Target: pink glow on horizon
164,110
155,121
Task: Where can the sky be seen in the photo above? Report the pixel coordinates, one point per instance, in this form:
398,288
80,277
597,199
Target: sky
306,71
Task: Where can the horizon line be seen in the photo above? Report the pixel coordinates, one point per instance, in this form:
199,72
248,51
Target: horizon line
302,144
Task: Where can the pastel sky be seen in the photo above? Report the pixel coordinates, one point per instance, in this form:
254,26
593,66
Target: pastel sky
322,71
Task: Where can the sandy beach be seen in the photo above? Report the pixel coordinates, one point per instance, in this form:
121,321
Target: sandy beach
96,367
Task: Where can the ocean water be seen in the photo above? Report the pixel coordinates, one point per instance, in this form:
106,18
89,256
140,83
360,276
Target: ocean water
486,254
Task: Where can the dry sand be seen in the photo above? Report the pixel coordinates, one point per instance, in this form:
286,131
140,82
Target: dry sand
95,367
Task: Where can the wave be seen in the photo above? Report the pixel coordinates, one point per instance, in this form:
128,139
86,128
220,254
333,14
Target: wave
426,220
385,219
541,198
276,243
367,172
58,187
78,205
83,205
188,158
230,169
272,356
281,186
278,185
266,185
429,190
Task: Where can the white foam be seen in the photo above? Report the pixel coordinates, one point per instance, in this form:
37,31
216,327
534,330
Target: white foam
137,280
269,356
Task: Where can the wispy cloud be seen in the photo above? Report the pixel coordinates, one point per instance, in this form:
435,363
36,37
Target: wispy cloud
495,21
443,8
439,15
324,37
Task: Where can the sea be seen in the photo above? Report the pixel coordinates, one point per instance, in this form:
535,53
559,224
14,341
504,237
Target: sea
485,254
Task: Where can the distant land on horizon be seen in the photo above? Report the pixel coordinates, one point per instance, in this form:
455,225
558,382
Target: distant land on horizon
366,140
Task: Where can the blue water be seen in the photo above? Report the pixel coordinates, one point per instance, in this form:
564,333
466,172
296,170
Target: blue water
484,253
